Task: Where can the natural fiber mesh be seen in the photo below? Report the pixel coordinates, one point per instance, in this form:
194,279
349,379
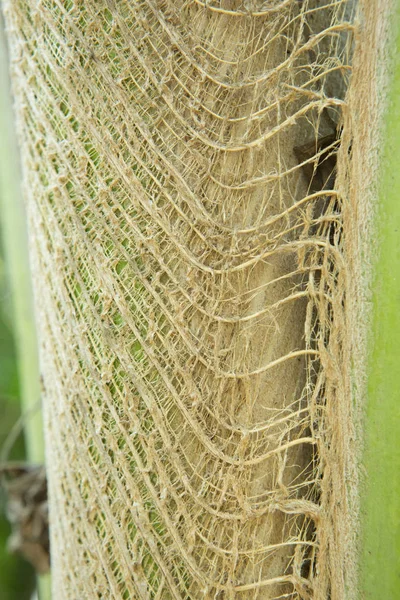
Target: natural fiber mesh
186,233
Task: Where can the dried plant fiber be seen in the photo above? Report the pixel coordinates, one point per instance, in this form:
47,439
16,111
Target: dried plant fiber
188,257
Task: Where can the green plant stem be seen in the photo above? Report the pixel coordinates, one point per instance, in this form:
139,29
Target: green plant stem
15,242
16,254
380,505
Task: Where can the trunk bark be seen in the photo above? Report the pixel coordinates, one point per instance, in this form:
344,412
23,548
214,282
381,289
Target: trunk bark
189,246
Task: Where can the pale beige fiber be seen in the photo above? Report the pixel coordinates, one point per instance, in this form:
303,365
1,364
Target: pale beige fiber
187,254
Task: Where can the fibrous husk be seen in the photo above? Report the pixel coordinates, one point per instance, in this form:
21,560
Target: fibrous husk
187,251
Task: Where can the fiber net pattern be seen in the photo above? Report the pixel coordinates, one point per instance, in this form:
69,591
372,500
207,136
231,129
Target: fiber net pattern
179,162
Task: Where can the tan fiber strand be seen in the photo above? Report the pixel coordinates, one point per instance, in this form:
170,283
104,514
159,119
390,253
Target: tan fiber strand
186,226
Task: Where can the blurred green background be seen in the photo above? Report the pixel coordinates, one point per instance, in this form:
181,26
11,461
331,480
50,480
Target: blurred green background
17,579
19,370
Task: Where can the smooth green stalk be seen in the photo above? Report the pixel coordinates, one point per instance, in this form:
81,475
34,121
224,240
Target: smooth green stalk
15,244
380,507
16,254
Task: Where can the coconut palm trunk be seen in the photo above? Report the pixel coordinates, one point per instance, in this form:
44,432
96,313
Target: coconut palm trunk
192,172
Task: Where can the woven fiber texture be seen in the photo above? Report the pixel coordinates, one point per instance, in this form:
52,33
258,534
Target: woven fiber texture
187,250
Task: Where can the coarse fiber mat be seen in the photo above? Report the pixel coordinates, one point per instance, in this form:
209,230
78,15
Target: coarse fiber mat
188,252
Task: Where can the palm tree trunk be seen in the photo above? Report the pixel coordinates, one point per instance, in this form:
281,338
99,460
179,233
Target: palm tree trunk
189,180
